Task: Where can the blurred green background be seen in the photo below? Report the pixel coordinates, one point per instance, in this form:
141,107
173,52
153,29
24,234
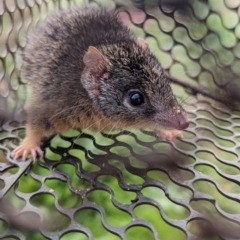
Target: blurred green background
193,53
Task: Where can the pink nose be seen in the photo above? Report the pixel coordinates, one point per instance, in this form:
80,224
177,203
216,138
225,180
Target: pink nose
183,123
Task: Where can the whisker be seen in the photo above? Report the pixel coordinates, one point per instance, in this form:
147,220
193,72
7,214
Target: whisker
184,101
64,110
99,131
94,123
114,128
132,131
78,136
84,130
181,98
190,71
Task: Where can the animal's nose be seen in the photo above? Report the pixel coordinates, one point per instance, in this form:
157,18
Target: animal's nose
183,123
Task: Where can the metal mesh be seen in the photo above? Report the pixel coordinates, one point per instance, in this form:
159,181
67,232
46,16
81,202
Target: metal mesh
131,185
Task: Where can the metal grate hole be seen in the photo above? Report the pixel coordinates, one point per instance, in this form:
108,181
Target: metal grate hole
130,185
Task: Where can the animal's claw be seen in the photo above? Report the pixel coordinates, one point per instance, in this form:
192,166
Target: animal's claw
24,151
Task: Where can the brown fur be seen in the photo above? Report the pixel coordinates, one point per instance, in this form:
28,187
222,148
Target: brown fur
80,67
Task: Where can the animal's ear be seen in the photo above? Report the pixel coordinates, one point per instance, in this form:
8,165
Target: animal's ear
95,61
142,43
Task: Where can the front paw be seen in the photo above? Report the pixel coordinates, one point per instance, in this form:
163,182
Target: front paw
169,135
26,149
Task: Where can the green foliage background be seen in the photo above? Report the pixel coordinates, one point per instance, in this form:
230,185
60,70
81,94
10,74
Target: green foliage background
184,67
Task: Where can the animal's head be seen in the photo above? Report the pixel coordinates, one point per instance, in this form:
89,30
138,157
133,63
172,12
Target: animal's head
127,85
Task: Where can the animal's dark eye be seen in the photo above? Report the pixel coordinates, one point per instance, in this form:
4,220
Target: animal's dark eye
136,99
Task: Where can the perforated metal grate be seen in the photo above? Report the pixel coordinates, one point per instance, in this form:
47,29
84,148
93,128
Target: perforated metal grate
130,185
